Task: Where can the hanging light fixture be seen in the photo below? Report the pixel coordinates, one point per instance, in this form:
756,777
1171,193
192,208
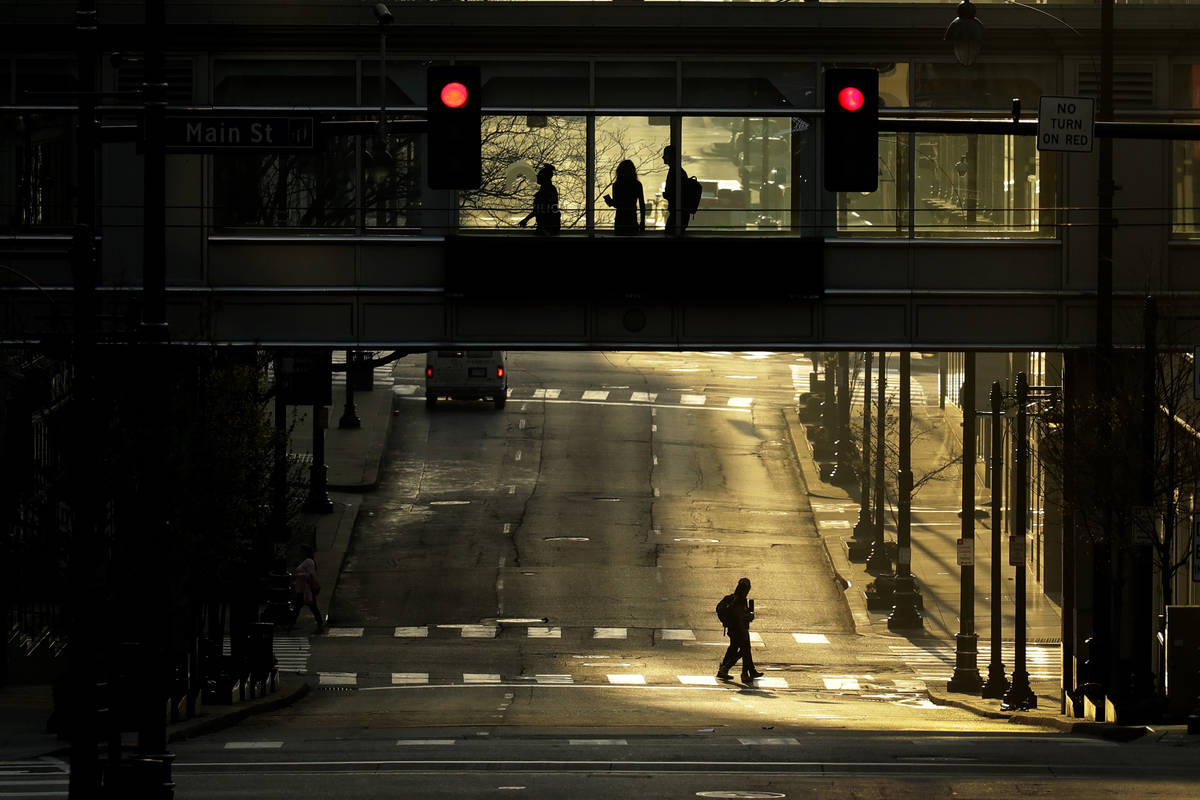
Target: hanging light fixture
966,34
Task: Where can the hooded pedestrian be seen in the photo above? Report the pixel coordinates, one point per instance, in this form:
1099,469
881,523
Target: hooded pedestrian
737,623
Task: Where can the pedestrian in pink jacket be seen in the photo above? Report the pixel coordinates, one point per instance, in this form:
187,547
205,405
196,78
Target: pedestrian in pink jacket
307,587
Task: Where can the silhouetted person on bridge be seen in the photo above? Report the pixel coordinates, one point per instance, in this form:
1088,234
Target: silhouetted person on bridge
669,193
545,204
627,197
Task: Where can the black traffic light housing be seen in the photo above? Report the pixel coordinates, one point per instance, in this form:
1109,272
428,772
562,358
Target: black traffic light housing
851,130
454,118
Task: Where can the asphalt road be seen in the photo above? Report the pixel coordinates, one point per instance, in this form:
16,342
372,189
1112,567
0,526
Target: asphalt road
526,610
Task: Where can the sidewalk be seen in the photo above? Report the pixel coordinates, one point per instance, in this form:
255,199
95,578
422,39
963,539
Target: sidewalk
353,457
934,565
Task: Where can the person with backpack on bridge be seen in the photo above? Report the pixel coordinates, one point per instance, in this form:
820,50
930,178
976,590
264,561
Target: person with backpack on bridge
736,613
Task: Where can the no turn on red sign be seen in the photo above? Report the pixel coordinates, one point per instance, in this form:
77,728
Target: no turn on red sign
1066,124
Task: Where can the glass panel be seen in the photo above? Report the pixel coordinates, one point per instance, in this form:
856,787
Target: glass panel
283,82
882,212
639,140
391,182
740,84
36,171
287,190
515,149
980,86
975,185
625,84
536,84
1185,156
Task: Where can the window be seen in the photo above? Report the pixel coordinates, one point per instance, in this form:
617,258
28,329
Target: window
315,190
958,184
1185,156
37,148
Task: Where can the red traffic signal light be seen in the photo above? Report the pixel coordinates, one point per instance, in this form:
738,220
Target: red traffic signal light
850,130
454,117
850,98
454,95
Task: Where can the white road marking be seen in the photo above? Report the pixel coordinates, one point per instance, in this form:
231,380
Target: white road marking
833,524
740,402
554,679
409,678
546,394
627,679
253,745
609,633
424,742
594,394
345,633
677,635
480,677
768,740
337,678
603,742
697,680
810,638
770,683
843,684
643,397
542,632
413,632
692,399
405,389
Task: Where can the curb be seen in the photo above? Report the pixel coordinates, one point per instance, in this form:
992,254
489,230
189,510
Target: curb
205,725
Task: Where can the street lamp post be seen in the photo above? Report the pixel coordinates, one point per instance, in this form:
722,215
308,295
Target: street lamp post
1020,696
966,659
878,562
905,615
349,418
997,683
859,546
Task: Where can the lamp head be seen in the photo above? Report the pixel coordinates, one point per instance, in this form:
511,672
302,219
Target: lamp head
965,33
382,15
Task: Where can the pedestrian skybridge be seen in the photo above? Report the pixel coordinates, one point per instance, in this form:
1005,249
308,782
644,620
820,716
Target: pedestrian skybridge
524,291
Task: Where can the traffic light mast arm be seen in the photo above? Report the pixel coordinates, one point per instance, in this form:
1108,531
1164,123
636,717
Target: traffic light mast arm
1179,131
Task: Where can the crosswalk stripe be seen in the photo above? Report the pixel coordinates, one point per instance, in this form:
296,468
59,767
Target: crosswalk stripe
692,399
627,679
609,633
413,632
409,678
595,394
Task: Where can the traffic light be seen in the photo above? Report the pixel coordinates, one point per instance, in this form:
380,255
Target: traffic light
453,114
851,130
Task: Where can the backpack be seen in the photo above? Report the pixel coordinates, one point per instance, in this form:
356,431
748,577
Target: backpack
692,192
725,610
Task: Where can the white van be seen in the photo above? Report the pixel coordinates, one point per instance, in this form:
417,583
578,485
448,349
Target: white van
466,375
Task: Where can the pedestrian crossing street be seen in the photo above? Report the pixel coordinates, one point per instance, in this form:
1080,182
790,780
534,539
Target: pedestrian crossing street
37,777
934,662
671,399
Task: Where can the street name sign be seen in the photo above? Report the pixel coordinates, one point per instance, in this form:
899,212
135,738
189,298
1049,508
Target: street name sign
221,133
1066,124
